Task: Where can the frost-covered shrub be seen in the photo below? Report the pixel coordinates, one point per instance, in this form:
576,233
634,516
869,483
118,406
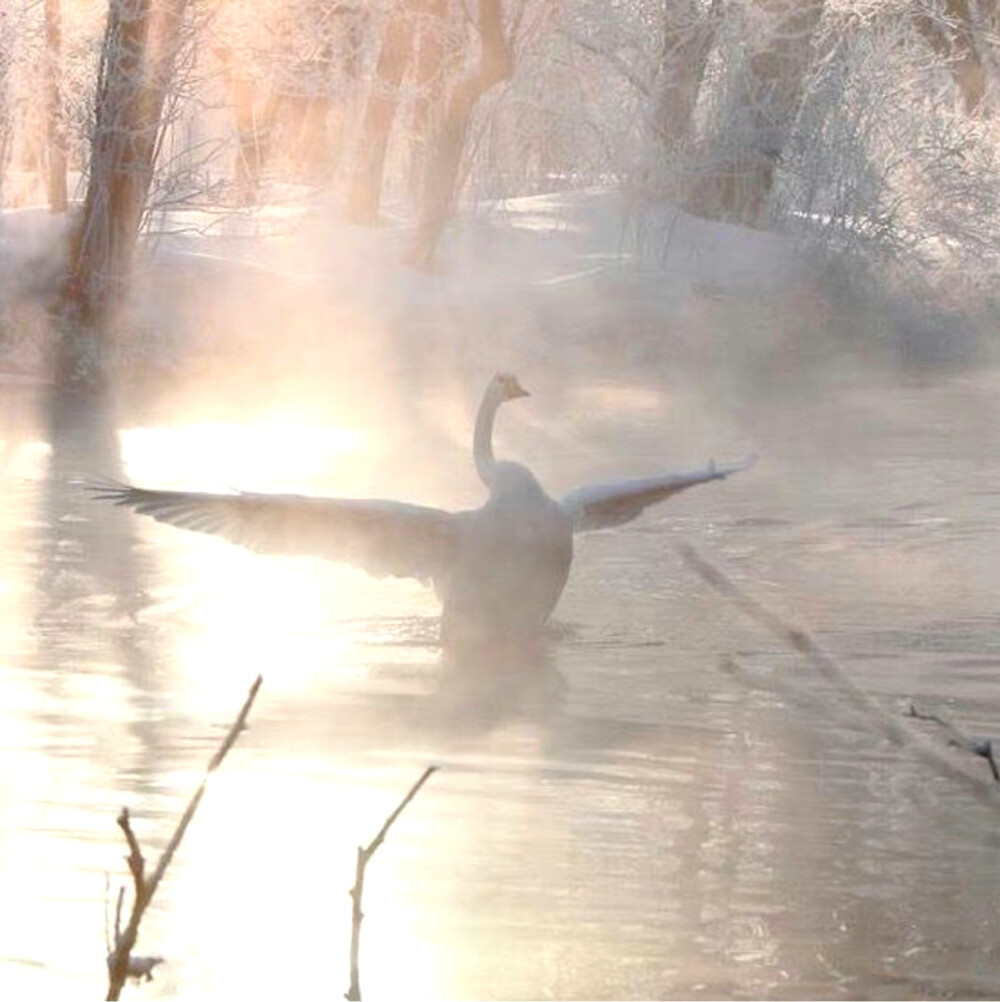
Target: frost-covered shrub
23,83
884,167
574,112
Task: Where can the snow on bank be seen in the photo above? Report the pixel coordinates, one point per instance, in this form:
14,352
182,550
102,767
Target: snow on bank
533,270
523,263
31,255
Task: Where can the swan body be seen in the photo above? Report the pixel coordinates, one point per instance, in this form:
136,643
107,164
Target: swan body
512,561
499,570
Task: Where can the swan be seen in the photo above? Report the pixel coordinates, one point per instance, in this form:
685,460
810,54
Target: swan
498,570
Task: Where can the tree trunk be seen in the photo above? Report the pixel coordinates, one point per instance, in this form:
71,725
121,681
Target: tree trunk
55,119
393,60
431,68
689,33
435,57
251,128
958,39
140,45
766,104
496,64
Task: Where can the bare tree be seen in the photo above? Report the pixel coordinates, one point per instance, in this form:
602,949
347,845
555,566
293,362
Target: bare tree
56,125
412,35
252,128
281,65
958,37
688,36
755,129
390,68
10,31
496,64
141,41
431,66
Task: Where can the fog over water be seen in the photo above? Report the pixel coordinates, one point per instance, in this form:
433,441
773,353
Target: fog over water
251,247
656,799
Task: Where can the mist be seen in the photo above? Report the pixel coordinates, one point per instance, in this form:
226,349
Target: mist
251,249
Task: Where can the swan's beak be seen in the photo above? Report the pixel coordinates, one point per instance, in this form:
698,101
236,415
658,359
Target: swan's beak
516,390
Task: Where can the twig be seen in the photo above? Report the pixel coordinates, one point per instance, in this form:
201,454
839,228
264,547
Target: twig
621,65
118,917
897,732
365,853
121,963
108,946
983,747
136,864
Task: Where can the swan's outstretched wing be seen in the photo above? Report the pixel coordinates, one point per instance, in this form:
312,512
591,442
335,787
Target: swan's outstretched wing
601,506
381,537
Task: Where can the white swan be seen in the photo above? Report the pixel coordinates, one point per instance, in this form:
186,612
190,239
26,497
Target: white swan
498,570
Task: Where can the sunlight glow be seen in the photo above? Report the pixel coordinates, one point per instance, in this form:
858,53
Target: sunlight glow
241,613
218,455
24,460
301,907
622,399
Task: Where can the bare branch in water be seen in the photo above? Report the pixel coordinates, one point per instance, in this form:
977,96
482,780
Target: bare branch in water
983,747
118,917
136,864
121,964
365,853
894,729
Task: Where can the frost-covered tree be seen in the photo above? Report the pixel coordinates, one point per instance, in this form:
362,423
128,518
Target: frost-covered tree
414,39
495,63
141,42
959,32
290,71
55,117
734,109
689,29
756,119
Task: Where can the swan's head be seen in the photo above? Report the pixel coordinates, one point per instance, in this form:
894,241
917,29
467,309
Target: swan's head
504,386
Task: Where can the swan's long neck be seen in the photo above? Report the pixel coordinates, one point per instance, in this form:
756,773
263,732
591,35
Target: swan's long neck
482,445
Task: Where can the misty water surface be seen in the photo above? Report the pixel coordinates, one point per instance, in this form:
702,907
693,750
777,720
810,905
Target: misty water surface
617,814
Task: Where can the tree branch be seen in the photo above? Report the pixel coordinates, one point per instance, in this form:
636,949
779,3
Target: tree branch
121,963
897,732
983,747
365,853
136,864
621,65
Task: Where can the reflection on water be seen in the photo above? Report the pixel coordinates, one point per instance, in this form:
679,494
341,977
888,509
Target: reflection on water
616,814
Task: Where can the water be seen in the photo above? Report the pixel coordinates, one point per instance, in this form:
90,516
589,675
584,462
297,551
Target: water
618,814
